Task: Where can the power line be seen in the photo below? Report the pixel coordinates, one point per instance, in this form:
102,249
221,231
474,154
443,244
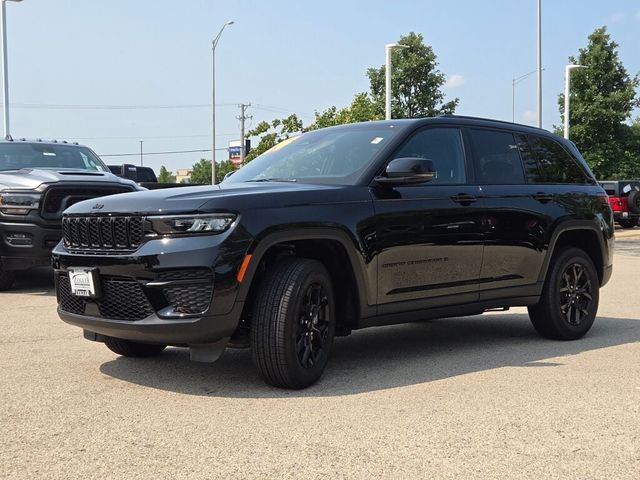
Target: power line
43,106
137,154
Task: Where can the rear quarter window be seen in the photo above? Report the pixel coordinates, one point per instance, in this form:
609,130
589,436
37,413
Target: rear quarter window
555,165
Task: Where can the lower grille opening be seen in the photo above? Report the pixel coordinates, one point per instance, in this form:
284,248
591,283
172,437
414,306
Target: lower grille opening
121,300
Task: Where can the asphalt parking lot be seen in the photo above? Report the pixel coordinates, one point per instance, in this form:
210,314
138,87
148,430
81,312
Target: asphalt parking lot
477,397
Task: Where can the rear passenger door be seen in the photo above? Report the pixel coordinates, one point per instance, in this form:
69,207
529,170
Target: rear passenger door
517,216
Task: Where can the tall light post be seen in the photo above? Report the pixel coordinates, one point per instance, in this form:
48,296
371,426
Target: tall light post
539,63
567,91
387,91
5,74
213,97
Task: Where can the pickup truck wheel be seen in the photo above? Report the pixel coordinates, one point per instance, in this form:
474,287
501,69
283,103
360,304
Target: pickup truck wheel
628,223
569,301
127,348
293,323
6,279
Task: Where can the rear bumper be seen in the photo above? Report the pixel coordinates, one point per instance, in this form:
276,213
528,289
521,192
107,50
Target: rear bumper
26,245
617,216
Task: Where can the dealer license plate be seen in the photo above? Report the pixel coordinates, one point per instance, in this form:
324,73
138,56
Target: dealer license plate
84,282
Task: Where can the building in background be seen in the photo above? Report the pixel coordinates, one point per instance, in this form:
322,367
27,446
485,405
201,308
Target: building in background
183,175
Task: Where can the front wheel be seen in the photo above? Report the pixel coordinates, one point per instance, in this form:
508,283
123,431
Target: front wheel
293,323
127,348
569,300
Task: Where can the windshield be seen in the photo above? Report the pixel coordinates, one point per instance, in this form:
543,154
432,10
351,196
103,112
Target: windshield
14,156
334,156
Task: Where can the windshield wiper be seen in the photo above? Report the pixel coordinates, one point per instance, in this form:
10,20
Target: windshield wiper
274,179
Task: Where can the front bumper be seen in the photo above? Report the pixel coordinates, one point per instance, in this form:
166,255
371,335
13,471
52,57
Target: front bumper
26,245
144,274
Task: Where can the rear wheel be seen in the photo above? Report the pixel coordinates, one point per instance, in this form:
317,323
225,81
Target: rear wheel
6,279
293,323
569,301
630,223
127,348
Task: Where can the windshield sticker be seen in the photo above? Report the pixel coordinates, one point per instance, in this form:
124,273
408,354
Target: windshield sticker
377,140
49,154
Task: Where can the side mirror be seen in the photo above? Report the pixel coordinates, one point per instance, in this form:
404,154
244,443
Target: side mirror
406,171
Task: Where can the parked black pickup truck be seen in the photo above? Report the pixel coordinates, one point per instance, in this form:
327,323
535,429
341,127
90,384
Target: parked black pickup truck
339,229
38,180
143,176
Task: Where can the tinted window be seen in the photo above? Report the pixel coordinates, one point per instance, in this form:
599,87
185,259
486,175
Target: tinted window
444,147
556,165
145,174
531,168
14,156
498,157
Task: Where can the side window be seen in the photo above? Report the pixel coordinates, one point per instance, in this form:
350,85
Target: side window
444,147
556,165
531,169
498,157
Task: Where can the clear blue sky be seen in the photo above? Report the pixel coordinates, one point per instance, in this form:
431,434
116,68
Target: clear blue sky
282,56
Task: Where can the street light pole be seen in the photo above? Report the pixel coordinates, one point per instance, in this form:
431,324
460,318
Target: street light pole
567,91
539,63
387,94
214,44
5,73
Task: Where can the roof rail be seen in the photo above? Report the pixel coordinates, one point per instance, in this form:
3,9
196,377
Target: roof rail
469,117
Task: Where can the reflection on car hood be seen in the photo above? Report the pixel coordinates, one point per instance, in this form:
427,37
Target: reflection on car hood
208,198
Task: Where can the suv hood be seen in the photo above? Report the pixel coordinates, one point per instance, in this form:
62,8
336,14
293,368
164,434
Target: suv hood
32,179
232,196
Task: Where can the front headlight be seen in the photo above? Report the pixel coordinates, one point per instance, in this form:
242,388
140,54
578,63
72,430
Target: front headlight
14,203
211,223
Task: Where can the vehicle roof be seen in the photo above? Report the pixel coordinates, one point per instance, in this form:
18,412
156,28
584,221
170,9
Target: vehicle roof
40,141
458,120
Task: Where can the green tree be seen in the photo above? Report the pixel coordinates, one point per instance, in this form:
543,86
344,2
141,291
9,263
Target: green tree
223,168
362,109
603,96
270,134
202,172
416,82
165,176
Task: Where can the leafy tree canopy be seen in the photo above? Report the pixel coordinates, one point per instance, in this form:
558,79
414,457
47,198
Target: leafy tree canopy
201,174
603,97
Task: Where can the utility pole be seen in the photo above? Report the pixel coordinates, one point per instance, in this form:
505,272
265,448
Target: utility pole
539,63
242,117
5,61
141,154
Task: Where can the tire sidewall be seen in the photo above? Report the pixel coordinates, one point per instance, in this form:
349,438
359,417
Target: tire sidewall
566,329
316,273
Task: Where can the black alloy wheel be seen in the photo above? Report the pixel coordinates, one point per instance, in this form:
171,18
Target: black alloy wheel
569,300
576,292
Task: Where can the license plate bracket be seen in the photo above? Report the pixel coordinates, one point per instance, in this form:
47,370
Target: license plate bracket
84,282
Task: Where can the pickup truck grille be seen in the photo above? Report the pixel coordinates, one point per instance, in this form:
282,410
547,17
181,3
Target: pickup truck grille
103,234
57,199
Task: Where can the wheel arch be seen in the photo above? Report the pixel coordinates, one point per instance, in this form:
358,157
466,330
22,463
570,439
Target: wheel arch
335,249
584,235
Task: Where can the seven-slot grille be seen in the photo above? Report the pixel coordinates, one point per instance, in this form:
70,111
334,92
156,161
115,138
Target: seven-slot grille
102,233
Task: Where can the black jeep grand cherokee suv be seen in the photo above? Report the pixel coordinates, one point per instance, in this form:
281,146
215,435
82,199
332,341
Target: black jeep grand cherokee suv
339,229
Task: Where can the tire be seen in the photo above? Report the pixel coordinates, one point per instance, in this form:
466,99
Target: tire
573,321
6,279
630,223
127,348
293,323
634,201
